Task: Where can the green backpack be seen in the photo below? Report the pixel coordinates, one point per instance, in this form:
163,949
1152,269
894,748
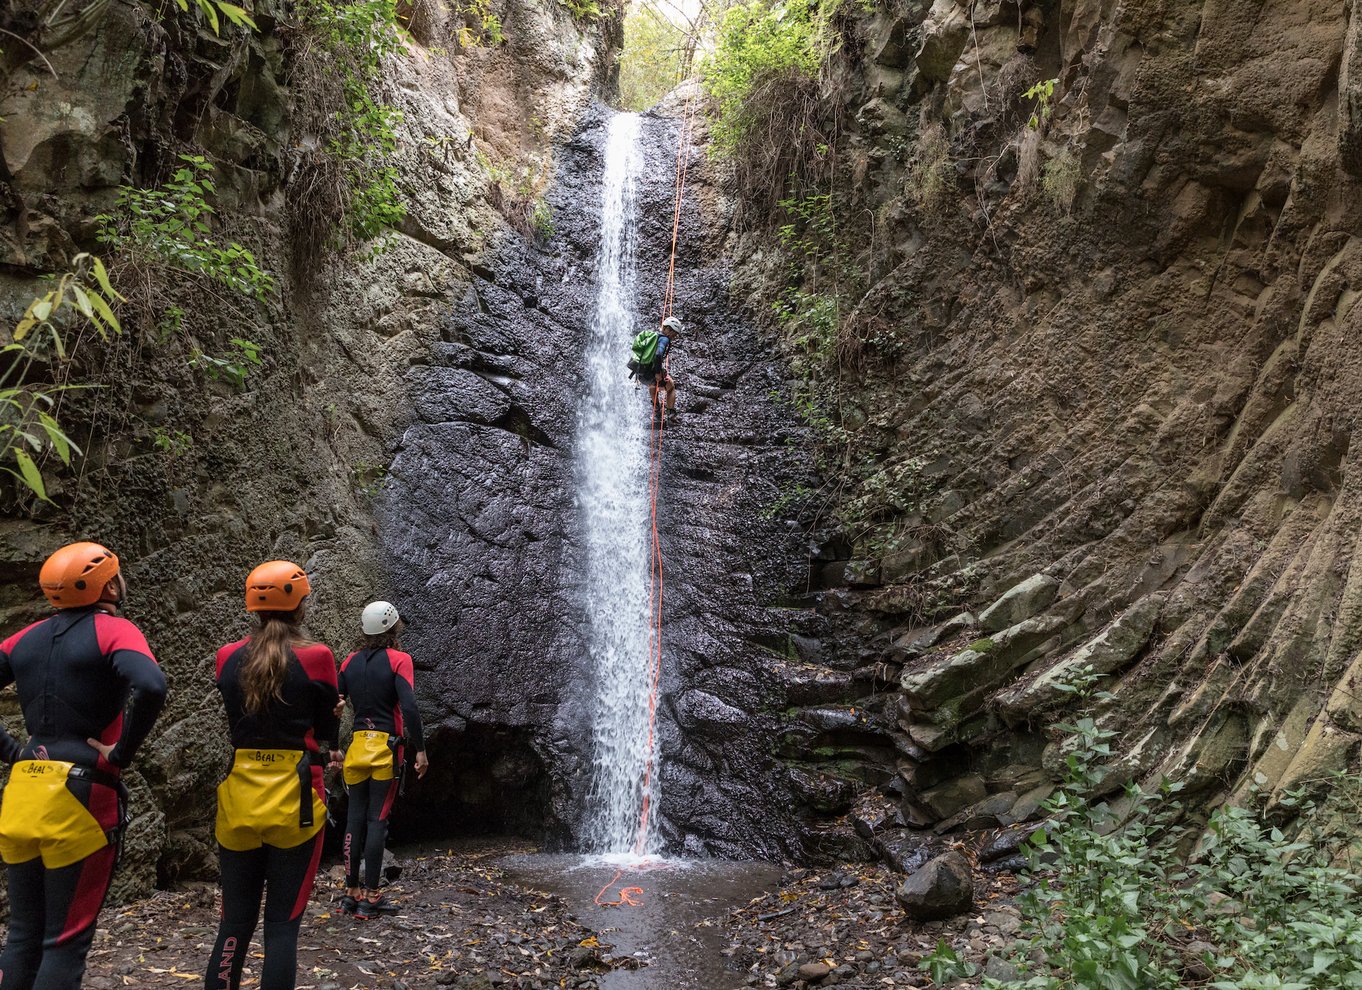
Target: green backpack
645,347
645,356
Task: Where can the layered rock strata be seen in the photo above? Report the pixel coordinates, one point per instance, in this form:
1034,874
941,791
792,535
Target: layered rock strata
1114,369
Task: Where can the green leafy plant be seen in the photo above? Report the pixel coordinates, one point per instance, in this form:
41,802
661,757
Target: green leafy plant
541,219
582,10
351,40
489,28
215,10
172,443
33,367
369,479
235,367
945,964
1113,907
1043,93
172,225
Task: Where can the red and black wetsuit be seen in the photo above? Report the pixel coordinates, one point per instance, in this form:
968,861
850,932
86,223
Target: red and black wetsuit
75,673
379,684
272,846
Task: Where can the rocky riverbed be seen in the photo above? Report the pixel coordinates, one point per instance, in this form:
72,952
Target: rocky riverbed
845,927
467,921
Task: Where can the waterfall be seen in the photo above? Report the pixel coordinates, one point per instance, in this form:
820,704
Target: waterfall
612,481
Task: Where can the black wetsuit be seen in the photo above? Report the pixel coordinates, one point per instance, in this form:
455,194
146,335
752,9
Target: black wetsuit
379,684
75,673
283,871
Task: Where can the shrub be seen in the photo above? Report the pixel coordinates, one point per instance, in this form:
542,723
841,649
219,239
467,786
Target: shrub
760,44
33,370
489,25
339,70
1060,179
1113,907
172,225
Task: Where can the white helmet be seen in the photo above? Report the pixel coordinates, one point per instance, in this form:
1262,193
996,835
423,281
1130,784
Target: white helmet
378,617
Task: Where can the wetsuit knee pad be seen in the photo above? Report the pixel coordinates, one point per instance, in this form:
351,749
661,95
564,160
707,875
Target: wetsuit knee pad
370,756
269,798
41,815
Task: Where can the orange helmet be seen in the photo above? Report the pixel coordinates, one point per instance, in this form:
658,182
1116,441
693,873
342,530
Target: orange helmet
276,586
76,574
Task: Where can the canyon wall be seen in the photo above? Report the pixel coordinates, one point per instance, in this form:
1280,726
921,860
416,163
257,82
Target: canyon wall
1098,389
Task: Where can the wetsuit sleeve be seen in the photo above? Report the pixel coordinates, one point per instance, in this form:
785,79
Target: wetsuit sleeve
341,686
127,649
320,664
9,746
404,681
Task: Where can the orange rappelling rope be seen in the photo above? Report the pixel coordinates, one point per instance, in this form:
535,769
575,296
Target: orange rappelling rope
630,896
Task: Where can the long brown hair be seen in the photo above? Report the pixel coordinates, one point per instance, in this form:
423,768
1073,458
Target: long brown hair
267,656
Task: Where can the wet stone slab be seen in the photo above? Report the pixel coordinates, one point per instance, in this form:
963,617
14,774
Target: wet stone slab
673,936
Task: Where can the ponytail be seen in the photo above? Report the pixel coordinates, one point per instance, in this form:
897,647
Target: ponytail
267,657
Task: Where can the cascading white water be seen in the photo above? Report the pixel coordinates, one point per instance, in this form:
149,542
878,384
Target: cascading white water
612,486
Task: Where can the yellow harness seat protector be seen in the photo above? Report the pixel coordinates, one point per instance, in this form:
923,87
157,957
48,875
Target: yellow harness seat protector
370,756
261,801
39,816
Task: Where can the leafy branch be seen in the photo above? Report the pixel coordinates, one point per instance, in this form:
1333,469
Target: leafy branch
29,428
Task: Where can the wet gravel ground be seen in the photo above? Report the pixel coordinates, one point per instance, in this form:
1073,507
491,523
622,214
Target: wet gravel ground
467,922
462,923
842,927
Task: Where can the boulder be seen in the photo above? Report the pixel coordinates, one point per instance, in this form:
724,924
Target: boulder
941,889
823,793
980,667
814,971
944,35
988,813
891,41
946,799
883,117
1109,652
1019,602
908,851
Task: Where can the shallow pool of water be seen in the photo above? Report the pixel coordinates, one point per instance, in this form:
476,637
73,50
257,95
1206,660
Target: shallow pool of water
676,926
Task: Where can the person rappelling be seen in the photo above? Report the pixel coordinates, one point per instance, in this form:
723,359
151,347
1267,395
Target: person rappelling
651,349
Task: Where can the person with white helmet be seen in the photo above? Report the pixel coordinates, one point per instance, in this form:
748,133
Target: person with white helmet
651,349
378,682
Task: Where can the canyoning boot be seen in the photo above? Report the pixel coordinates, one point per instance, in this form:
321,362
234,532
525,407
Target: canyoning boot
369,909
347,905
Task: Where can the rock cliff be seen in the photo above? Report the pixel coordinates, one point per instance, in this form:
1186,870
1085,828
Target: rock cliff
1098,392
191,479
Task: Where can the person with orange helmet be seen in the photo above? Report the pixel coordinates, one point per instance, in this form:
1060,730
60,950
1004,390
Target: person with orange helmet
90,691
279,689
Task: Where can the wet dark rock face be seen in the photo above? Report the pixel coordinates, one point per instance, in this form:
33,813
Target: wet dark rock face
483,537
